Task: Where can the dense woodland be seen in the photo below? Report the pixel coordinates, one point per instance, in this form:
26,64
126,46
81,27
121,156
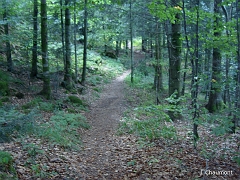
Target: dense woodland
182,91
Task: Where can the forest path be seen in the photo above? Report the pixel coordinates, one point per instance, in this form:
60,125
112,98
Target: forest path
100,158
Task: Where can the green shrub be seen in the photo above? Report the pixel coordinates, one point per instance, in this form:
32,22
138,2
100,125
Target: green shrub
75,100
6,166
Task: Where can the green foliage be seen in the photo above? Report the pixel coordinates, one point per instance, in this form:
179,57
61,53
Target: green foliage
148,122
14,123
32,149
46,106
63,128
4,89
4,85
174,107
6,166
5,99
237,159
33,103
140,81
75,100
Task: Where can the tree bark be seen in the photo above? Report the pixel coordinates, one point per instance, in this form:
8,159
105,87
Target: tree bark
85,43
8,44
131,41
215,102
175,59
46,91
158,79
67,83
62,35
34,70
75,44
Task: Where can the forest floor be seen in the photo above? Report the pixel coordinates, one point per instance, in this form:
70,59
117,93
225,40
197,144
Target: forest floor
107,155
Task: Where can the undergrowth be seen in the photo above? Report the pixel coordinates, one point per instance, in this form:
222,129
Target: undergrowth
147,120
63,128
15,124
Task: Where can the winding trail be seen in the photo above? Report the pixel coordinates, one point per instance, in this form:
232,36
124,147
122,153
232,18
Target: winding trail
99,158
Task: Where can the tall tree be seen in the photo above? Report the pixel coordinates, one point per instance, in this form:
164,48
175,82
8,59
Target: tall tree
85,43
215,102
6,31
75,42
131,40
175,52
46,91
237,93
62,34
34,69
67,74
158,78
195,79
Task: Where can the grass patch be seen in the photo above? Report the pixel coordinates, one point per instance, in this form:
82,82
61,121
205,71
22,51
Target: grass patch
13,123
63,129
148,123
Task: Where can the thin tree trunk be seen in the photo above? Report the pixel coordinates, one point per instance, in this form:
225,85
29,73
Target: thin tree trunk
46,91
62,36
67,75
8,45
195,83
158,67
34,70
117,48
85,43
75,44
188,47
131,36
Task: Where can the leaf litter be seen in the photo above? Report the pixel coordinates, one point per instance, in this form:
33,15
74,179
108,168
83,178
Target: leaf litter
105,155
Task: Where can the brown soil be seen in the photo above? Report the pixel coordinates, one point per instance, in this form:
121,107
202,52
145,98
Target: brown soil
99,142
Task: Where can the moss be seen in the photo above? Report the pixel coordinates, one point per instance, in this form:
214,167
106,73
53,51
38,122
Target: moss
75,100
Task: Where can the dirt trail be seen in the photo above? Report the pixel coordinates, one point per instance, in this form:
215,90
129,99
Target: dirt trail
99,159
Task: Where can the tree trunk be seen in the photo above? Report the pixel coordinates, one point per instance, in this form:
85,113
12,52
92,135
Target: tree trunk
144,44
175,60
62,36
67,75
34,70
215,102
75,43
8,44
131,36
85,43
117,48
46,91
158,79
